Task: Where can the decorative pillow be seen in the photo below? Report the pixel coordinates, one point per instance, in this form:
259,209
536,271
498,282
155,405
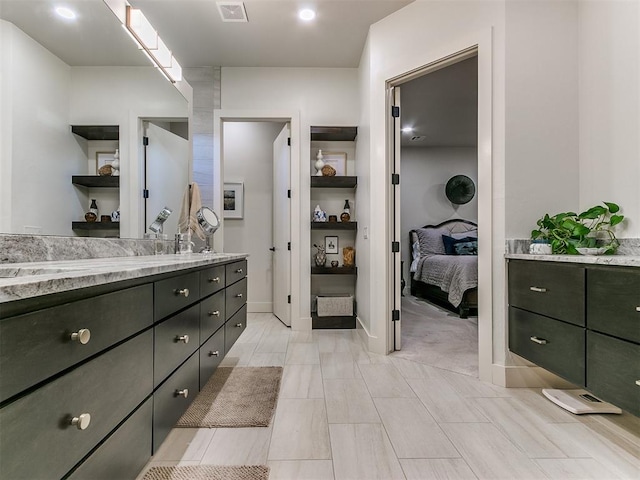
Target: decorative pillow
467,248
450,242
430,241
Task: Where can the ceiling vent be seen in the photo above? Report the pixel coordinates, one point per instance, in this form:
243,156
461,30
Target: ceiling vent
232,11
417,138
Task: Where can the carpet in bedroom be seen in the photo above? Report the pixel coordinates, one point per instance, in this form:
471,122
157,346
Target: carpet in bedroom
434,336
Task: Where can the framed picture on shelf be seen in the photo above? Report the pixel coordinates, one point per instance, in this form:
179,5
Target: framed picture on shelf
331,244
337,160
233,199
104,158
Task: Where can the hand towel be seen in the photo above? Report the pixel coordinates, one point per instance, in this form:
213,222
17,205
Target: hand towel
191,203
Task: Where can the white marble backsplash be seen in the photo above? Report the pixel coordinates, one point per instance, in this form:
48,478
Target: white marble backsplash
42,248
628,246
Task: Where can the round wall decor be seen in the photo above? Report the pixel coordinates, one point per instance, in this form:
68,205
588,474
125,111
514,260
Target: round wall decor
460,189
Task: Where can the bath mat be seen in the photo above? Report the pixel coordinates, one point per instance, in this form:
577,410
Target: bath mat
208,472
235,397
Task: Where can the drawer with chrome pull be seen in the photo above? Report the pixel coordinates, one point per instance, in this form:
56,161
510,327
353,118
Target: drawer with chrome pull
557,346
175,339
211,354
234,328
175,293
212,314
50,430
236,271
37,345
551,289
236,296
211,280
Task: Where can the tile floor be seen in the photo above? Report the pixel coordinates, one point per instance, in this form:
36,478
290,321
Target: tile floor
344,413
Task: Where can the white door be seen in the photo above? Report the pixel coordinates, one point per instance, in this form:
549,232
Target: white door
395,219
282,226
167,175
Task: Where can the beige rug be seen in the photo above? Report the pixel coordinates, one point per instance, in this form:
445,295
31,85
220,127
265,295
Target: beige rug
235,397
208,472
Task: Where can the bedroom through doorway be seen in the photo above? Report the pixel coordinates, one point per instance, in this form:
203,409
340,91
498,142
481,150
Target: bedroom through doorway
438,150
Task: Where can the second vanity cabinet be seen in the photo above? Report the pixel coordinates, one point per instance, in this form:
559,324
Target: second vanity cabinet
93,380
581,322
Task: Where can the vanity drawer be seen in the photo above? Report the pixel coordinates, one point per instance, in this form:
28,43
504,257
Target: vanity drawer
234,328
613,302
212,314
557,346
175,339
211,280
38,439
175,293
613,368
169,404
554,290
211,354
236,296
38,345
130,444
235,271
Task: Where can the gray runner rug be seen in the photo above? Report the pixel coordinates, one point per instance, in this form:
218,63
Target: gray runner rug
235,397
208,472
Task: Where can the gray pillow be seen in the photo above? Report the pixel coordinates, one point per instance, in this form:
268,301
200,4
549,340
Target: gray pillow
431,241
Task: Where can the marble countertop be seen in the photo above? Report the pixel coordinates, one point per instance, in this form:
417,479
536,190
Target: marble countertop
618,260
25,280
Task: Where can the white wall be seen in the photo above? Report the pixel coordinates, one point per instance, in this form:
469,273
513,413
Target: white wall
39,155
248,154
609,90
322,96
424,173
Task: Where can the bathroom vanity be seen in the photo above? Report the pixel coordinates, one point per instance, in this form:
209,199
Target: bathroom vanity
99,358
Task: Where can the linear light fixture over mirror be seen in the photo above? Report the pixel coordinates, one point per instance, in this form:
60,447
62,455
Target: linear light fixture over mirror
150,42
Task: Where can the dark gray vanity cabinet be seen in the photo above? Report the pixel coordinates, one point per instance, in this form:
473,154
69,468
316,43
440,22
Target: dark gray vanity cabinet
581,322
93,380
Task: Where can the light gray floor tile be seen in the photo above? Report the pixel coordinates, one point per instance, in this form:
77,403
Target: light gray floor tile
301,381
188,444
239,355
300,430
412,431
489,453
348,401
266,360
333,341
545,409
301,470
301,337
338,365
363,451
384,380
575,469
303,353
471,387
437,469
238,446
273,343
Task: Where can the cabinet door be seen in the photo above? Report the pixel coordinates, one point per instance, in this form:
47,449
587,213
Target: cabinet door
211,354
554,290
236,271
557,346
175,293
234,328
613,302
211,280
613,368
212,314
236,296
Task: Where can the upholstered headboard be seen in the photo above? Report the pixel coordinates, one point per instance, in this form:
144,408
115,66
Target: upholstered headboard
455,227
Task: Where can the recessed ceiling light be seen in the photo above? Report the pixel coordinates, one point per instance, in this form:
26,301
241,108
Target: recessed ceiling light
407,129
306,14
65,12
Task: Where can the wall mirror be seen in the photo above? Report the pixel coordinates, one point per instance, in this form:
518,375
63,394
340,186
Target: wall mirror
62,78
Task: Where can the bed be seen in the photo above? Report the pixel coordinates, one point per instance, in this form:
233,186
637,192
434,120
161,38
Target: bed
444,269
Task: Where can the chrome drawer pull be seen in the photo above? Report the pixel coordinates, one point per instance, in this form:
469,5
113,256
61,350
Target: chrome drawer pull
538,289
81,336
638,382
239,270
215,313
182,393
214,354
239,325
184,292
81,421
214,280
182,338
539,341
638,309
239,295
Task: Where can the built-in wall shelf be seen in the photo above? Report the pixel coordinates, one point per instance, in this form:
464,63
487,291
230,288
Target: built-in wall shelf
334,182
333,322
334,270
334,225
96,181
97,132
95,225
333,134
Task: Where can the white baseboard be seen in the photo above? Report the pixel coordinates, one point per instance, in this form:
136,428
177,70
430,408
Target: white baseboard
259,307
526,376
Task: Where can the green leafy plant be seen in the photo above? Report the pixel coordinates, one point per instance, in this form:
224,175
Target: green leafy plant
568,231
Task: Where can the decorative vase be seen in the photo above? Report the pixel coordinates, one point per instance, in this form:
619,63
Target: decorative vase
115,165
319,163
320,257
92,215
345,216
348,257
319,215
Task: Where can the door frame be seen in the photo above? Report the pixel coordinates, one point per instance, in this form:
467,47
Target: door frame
482,47
220,117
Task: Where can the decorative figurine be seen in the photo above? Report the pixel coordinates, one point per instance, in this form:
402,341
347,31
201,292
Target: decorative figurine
319,164
319,215
348,257
320,256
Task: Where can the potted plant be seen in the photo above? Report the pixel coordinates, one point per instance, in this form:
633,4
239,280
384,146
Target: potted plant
572,233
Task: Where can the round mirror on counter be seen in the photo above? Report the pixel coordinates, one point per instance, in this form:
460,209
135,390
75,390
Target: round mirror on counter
209,222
